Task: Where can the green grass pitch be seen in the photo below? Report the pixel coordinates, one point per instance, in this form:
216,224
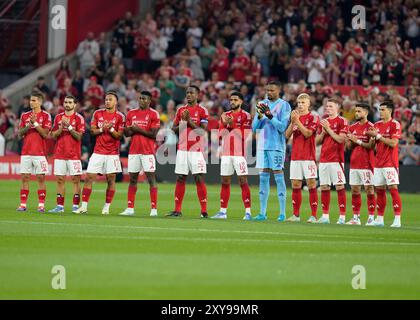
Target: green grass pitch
114,257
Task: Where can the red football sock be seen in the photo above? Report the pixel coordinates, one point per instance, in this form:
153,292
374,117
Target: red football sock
41,196
297,201
356,202
153,197
313,201
109,195
131,196
224,195
396,201
371,203
342,201
76,199
60,199
246,195
23,197
325,201
86,194
381,201
179,195
202,195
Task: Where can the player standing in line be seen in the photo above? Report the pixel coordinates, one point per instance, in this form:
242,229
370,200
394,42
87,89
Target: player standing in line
191,123
270,124
142,126
68,129
108,127
332,136
361,163
303,127
386,132
235,128
34,128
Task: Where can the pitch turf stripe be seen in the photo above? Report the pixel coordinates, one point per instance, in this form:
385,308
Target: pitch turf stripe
340,237
278,241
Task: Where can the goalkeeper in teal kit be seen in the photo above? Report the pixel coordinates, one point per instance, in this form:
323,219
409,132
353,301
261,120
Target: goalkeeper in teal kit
270,124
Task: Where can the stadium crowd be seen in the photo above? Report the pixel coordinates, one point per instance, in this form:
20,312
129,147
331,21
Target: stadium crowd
220,46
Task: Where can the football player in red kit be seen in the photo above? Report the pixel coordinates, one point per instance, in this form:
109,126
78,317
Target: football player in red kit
108,127
142,126
68,129
387,133
34,128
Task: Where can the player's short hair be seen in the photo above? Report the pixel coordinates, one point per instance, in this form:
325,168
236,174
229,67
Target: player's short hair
274,83
334,101
113,93
237,94
146,93
303,96
71,97
363,105
195,87
388,104
38,95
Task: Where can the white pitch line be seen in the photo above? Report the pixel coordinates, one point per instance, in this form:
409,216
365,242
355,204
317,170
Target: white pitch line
368,240
279,241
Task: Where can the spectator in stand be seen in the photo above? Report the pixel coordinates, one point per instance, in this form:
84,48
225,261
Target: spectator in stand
62,73
141,57
24,107
194,62
182,80
220,65
42,86
377,71
98,70
278,57
117,85
243,42
260,44
240,65
409,154
350,72
113,51
332,72
412,27
127,46
157,50
348,111
111,71
320,24
196,33
296,67
207,52
393,71
86,52
67,90
94,92
315,66
167,87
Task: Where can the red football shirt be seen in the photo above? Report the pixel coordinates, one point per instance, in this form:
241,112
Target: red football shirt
188,140
105,143
386,156
239,72
66,147
145,119
332,151
234,135
93,92
33,142
361,158
303,149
